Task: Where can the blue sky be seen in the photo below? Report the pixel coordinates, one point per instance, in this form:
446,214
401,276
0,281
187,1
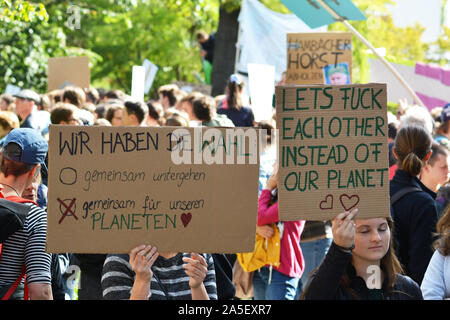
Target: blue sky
426,12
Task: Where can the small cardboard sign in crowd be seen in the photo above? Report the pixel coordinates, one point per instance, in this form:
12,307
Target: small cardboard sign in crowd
313,57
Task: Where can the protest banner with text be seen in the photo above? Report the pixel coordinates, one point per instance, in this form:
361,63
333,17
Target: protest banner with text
333,151
179,189
308,54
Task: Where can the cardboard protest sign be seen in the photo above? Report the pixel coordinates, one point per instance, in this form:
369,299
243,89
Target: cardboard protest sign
179,189
333,151
308,53
68,71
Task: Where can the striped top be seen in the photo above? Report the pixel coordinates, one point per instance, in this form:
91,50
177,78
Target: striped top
118,278
27,247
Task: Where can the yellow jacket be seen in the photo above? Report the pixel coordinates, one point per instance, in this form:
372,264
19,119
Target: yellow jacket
266,252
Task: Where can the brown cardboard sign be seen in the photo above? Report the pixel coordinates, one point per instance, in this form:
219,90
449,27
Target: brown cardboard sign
333,151
68,71
179,189
309,53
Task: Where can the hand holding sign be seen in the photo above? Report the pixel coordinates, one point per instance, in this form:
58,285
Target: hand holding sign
343,229
272,182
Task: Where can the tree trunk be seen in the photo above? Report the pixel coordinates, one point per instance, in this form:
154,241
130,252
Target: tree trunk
224,50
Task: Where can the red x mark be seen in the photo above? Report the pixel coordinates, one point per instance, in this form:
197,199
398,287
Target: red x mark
68,210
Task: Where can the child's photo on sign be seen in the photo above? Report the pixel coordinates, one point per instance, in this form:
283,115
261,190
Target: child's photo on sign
337,73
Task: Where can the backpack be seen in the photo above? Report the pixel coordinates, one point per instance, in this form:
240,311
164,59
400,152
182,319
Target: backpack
12,217
13,213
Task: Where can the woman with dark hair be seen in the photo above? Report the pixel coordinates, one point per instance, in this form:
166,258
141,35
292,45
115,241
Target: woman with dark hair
361,264
436,282
233,106
413,205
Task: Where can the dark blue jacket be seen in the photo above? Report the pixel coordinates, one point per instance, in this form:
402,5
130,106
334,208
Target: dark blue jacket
415,217
325,283
242,118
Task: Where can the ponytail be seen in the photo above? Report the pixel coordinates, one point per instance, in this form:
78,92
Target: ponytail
235,85
412,144
412,164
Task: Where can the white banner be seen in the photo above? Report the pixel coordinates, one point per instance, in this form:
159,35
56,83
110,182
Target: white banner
261,80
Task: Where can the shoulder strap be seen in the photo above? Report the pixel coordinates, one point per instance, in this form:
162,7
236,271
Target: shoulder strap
403,192
16,283
13,288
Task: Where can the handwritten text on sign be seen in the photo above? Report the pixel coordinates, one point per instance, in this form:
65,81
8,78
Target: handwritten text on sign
111,189
308,53
333,150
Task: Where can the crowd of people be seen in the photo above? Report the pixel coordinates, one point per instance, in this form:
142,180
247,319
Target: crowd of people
405,256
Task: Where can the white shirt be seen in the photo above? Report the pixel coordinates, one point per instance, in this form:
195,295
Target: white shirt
436,282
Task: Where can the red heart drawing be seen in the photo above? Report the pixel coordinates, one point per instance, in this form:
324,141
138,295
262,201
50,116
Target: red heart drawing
186,218
349,202
327,203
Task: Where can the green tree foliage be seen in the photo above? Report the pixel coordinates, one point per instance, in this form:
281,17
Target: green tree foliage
22,11
117,34
443,48
27,39
125,33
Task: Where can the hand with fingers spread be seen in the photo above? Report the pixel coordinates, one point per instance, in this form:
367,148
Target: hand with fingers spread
343,228
141,261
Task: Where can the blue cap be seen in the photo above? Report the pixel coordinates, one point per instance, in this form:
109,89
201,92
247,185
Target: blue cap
445,115
33,145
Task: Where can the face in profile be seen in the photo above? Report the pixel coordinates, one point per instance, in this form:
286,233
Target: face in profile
439,171
338,78
117,119
31,190
372,237
187,107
